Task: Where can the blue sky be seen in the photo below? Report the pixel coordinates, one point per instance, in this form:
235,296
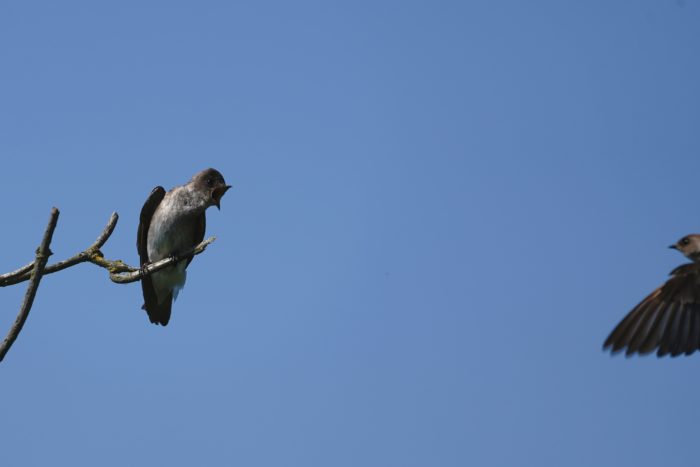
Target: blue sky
439,211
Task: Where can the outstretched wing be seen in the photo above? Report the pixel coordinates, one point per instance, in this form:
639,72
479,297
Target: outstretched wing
668,319
158,314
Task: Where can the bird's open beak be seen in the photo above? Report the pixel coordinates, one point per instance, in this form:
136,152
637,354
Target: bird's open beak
218,193
674,246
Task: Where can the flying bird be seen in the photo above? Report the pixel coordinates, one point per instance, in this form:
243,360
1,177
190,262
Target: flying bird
171,223
668,320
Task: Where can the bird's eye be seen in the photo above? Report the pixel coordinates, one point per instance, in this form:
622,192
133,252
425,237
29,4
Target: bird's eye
210,182
685,241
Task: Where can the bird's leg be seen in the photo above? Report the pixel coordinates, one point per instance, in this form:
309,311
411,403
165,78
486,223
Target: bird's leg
142,270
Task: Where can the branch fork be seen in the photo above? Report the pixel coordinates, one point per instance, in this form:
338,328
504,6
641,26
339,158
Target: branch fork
119,272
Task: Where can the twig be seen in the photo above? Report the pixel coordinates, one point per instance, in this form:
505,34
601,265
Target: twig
119,271
22,274
42,256
17,273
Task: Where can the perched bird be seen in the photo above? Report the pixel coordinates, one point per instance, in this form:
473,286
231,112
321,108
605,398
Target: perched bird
669,318
171,223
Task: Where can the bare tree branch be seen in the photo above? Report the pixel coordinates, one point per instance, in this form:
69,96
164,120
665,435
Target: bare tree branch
17,273
22,274
42,256
119,272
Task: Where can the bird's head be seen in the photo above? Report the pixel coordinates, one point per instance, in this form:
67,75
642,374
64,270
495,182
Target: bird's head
689,246
211,182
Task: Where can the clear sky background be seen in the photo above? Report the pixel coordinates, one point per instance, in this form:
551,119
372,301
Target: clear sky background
439,211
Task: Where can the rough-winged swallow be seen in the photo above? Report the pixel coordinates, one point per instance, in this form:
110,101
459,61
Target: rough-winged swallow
669,318
170,223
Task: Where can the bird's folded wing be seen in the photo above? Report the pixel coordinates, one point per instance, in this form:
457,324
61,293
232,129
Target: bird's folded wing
149,207
198,234
157,313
